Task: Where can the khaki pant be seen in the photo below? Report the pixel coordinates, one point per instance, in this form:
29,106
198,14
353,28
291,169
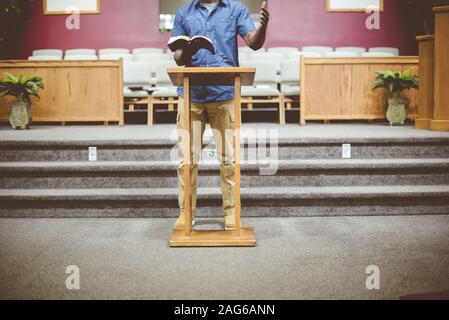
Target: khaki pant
222,117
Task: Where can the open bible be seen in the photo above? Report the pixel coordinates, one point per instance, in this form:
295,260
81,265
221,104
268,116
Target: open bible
194,44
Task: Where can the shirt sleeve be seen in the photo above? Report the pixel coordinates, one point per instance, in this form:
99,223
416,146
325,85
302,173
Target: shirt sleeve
178,26
245,23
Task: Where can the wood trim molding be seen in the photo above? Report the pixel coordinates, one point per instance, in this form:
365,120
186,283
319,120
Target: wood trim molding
46,12
329,9
60,63
441,9
429,37
368,60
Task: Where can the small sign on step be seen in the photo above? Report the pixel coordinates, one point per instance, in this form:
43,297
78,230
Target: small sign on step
211,153
92,153
346,151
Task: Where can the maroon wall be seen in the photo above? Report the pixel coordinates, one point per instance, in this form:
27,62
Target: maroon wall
134,23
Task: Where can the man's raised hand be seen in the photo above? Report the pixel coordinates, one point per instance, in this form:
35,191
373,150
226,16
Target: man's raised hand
264,15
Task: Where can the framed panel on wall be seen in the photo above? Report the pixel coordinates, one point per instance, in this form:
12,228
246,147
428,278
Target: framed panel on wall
70,6
353,5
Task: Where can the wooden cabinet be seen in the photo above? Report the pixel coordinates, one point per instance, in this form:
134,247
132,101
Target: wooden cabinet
75,91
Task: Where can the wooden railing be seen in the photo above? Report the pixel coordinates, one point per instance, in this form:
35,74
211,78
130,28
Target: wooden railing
341,88
75,91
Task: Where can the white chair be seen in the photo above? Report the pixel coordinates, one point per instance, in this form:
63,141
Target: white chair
162,79
394,51
116,56
152,57
341,54
358,50
272,56
377,54
247,49
72,52
244,62
45,58
243,56
48,52
284,50
147,50
265,87
299,54
80,57
165,93
320,49
290,78
267,56
113,51
170,56
137,74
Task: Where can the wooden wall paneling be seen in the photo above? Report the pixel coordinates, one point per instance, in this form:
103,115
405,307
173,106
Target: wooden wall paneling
366,105
341,88
75,91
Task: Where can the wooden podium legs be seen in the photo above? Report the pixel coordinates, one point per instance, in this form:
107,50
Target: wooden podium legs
187,146
238,125
240,237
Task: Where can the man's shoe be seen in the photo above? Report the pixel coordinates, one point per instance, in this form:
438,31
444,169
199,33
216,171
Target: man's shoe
180,222
230,222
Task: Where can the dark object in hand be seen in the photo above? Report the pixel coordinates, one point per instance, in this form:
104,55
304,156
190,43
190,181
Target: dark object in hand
191,45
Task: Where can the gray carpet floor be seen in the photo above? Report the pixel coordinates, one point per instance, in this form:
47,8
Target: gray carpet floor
168,132
296,258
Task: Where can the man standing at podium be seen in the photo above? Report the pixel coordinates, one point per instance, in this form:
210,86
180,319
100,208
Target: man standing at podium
221,21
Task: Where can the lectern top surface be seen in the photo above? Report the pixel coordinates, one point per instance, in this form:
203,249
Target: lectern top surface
212,76
441,9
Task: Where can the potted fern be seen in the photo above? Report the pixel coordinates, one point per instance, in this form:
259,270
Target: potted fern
22,88
395,83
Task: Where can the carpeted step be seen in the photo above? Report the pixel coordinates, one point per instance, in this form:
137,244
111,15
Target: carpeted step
165,150
256,202
286,173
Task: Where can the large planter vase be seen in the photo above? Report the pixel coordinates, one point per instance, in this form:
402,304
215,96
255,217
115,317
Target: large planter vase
20,114
397,112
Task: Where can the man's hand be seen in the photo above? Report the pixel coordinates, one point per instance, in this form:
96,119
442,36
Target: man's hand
255,40
183,57
264,15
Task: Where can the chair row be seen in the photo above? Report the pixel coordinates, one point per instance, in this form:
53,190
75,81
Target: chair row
148,56
60,53
323,49
278,56
149,84
276,82
243,57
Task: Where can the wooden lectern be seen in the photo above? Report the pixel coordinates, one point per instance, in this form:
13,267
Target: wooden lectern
223,76
440,120
426,91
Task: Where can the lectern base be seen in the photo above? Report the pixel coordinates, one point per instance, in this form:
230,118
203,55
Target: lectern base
214,238
439,125
424,124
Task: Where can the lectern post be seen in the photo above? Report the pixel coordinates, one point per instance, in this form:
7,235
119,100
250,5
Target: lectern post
440,120
186,145
187,77
426,85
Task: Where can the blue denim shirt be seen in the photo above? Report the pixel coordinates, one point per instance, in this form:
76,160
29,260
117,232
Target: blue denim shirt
229,19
